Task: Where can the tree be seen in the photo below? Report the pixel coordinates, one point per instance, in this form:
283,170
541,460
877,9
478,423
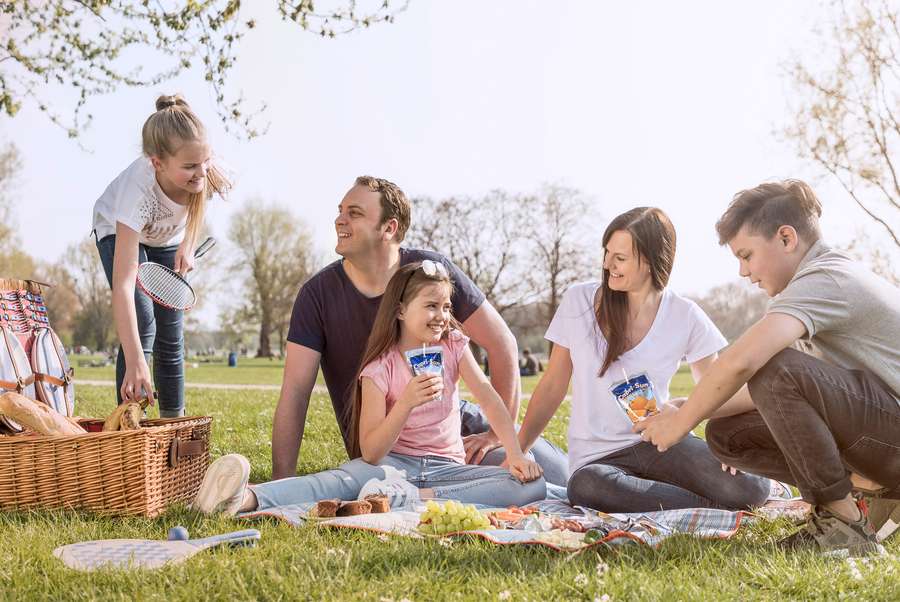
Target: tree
848,119
274,258
10,166
485,237
733,307
84,45
62,300
565,243
863,249
14,262
93,323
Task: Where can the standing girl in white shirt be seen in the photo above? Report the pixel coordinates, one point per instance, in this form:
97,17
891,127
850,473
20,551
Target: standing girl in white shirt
627,330
153,211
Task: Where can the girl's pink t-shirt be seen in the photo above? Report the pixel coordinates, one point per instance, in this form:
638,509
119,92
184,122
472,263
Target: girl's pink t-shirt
433,427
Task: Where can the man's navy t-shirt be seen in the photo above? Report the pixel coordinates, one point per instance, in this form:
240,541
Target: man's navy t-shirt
332,317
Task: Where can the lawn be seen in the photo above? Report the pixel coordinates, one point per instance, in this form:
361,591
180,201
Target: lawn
317,564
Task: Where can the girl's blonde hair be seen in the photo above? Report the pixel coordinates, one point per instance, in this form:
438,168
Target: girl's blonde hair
164,132
403,287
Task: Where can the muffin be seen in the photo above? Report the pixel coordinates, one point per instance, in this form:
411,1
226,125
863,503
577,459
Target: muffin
326,508
379,502
354,508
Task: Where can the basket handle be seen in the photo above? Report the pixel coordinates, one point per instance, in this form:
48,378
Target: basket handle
185,448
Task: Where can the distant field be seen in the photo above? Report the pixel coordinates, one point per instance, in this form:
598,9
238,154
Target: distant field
261,371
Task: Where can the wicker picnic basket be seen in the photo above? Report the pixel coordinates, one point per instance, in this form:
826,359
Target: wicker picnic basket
134,472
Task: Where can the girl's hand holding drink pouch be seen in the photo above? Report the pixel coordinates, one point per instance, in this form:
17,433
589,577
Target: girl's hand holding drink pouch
427,361
636,397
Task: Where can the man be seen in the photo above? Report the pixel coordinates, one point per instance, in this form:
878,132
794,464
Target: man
830,426
334,312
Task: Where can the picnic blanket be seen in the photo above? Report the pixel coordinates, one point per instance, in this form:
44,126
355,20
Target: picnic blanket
649,528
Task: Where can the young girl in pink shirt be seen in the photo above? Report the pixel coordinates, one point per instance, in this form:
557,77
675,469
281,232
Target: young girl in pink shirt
405,428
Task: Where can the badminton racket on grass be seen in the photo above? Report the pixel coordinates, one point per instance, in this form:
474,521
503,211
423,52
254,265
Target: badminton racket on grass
144,553
167,287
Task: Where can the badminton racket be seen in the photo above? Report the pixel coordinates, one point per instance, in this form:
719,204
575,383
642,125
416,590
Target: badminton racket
167,287
144,553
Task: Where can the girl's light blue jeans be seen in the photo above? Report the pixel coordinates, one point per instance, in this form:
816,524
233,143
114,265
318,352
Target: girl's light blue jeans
489,485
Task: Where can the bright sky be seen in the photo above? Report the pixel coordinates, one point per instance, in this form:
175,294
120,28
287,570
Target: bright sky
671,104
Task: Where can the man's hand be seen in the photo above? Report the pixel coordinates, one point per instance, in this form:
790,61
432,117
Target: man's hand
663,430
478,446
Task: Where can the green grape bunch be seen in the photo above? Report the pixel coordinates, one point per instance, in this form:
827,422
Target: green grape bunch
451,517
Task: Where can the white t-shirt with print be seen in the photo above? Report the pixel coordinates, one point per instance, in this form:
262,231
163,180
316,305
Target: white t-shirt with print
135,199
598,426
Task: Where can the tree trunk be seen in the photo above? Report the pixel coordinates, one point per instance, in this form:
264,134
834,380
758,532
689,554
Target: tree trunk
265,349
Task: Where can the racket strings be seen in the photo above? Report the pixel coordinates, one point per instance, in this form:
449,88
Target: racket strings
165,285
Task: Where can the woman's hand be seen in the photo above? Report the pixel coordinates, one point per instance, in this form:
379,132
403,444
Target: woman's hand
137,385
522,468
422,389
184,258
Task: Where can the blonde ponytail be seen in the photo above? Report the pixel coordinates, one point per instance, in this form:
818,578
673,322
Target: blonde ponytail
173,124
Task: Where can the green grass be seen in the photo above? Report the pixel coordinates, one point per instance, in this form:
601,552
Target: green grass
249,371
320,564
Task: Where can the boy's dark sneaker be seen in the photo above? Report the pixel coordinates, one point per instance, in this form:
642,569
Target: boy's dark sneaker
830,534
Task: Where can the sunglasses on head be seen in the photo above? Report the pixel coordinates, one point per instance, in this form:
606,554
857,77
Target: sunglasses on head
434,267
431,268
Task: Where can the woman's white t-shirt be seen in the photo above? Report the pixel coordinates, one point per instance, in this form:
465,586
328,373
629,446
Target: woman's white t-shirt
598,426
135,199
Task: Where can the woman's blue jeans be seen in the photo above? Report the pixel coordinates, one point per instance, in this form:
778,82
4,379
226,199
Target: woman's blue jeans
489,485
160,329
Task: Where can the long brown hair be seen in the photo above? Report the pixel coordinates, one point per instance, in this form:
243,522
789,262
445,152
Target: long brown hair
653,239
403,287
173,124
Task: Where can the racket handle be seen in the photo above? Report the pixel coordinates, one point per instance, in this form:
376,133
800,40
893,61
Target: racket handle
233,538
205,246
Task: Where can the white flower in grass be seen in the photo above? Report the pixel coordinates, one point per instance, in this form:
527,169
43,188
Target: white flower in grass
445,541
603,598
581,579
382,537
405,600
504,595
854,569
602,568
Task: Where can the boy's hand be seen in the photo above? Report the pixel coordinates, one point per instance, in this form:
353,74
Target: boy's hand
422,389
662,430
522,468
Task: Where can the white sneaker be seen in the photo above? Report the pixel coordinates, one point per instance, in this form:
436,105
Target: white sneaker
399,491
780,491
223,486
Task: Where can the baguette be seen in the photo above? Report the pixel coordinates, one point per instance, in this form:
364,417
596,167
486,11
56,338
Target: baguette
131,417
36,416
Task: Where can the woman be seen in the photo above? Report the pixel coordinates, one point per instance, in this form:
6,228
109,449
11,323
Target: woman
613,334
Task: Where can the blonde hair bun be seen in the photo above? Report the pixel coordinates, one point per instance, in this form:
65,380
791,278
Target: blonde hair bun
166,101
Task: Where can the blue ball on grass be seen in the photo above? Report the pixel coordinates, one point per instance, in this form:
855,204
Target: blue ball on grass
178,533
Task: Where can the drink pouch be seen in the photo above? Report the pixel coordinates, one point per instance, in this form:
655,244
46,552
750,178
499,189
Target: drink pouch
636,396
427,360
